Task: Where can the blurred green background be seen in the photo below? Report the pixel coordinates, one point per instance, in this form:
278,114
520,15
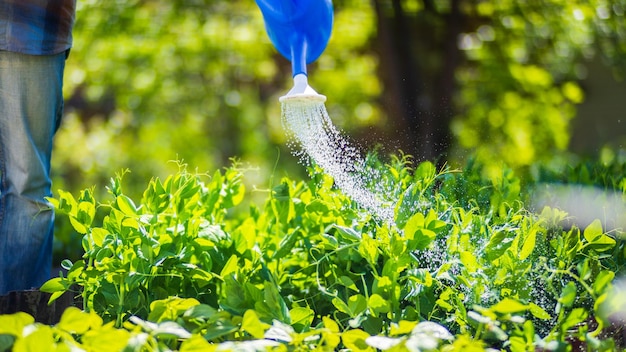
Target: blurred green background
512,82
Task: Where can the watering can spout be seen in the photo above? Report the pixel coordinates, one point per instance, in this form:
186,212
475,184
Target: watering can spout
302,92
299,29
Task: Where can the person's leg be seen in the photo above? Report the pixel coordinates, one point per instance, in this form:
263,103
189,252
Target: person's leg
31,104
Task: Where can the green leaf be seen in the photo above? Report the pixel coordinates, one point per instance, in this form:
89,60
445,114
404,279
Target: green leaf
66,264
357,304
231,266
330,324
403,327
13,324
377,304
415,222
170,308
201,277
220,328
529,244
235,190
317,206
341,305
538,312
301,317
196,343
53,285
508,306
469,261
273,303
78,225
282,203
419,237
245,235
66,204
6,342
190,188
235,298
529,331
603,279
368,249
125,205
405,207
603,243
57,286
382,284
287,244
596,237
423,239
355,340
433,223
86,213
348,234
74,273
425,171
499,242
200,311
55,296
572,242
97,235
54,203
422,277
75,321
41,339
593,231
568,295
253,325
604,307
576,316
347,282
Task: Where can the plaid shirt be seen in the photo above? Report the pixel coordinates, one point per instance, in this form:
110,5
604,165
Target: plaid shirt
36,27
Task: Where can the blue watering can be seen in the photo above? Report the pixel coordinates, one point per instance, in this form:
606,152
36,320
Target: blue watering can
300,30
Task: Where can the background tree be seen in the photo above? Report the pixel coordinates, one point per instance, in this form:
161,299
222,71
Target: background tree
497,77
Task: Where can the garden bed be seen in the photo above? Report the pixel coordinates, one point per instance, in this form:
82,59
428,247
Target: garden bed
465,266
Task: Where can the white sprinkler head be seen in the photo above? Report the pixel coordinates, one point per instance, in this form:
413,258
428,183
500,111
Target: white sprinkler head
302,92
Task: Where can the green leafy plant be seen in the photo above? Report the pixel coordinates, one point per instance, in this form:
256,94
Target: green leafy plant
464,266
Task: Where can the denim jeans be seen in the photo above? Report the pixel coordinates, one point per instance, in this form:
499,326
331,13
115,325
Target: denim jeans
31,105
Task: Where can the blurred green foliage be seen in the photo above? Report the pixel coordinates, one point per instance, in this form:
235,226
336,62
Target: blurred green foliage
152,81
198,80
519,89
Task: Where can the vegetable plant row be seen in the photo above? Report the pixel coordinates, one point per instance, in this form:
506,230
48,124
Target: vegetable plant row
194,266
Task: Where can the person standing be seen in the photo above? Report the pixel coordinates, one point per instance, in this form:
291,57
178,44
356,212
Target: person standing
35,39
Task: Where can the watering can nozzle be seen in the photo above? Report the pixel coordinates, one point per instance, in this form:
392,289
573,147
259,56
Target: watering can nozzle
302,92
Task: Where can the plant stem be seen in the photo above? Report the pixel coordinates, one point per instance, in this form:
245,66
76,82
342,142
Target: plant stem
120,303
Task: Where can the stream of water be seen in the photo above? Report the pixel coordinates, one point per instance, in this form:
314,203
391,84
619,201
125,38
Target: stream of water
311,130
